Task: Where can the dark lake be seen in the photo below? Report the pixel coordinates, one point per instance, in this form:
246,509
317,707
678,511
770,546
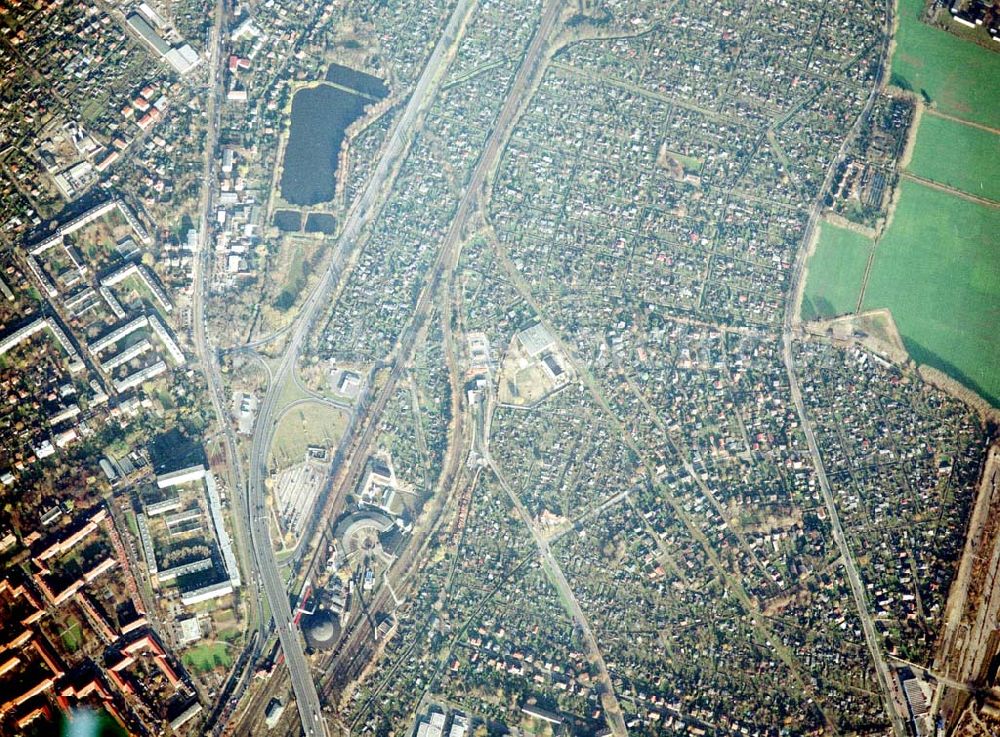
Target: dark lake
321,222
320,115
288,221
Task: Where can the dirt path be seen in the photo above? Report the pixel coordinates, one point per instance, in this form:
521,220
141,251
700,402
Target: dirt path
950,190
800,286
868,268
980,126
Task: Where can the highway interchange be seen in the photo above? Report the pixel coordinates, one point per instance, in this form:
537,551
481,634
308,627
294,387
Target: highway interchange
252,513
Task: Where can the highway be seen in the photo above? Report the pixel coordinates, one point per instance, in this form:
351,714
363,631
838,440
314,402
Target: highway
254,517
885,675
363,212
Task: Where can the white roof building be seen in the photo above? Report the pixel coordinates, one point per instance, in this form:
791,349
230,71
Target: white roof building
535,340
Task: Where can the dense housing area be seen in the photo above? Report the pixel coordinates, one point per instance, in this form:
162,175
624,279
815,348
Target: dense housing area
481,367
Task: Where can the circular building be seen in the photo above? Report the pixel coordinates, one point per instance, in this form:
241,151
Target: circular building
321,630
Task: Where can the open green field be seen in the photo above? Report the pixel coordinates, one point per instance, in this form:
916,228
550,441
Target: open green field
959,76
72,636
836,269
937,268
310,423
300,265
958,155
206,657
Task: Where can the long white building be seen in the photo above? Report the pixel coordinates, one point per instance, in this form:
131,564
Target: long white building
218,520
145,374
211,591
182,476
167,339
127,355
117,334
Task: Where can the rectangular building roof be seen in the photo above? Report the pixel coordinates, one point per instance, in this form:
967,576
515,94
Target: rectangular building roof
535,340
141,26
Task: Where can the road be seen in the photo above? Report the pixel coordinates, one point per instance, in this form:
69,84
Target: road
614,713
984,201
884,673
363,212
206,356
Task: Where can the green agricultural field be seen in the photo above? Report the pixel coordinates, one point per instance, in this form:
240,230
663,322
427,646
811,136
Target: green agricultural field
836,269
206,657
958,155
937,268
958,76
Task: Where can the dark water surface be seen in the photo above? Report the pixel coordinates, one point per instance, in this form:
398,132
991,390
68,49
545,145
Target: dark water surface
288,221
355,80
320,222
320,115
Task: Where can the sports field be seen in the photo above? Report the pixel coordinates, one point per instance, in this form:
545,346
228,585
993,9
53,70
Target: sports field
958,155
836,269
309,423
937,268
958,76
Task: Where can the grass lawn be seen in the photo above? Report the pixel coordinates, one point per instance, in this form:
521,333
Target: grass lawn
98,723
93,108
312,423
691,163
960,156
836,269
290,392
206,657
133,525
223,617
937,268
72,636
959,76
135,284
